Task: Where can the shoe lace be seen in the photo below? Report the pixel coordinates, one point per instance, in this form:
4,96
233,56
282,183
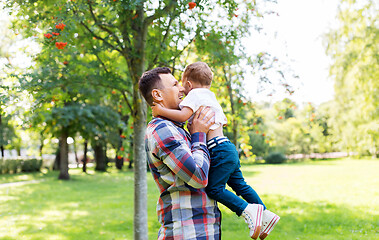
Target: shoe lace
248,219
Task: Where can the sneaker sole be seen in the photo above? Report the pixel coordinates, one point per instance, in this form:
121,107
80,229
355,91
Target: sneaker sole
256,232
270,227
258,223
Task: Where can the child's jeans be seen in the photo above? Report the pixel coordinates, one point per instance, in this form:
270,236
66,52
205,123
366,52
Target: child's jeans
225,169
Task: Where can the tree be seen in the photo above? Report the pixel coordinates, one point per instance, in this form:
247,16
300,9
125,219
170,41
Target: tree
143,34
7,132
353,47
11,99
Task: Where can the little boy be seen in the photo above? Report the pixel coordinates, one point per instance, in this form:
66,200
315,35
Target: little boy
225,164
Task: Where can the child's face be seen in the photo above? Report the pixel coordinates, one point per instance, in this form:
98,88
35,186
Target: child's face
186,85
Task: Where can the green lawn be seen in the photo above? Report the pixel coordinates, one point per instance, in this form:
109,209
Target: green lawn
317,200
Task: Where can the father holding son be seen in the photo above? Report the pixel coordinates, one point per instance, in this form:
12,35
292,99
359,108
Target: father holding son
179,162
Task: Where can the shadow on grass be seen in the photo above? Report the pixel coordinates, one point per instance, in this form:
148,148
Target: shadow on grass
308,220
97,206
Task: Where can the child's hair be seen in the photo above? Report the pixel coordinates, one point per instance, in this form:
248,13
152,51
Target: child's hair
199,72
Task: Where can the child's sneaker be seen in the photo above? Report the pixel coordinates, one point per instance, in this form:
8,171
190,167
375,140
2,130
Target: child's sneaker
253,217
269,221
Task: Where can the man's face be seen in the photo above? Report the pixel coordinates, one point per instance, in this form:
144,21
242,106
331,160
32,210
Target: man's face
172,92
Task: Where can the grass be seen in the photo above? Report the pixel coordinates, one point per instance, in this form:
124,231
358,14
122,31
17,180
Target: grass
336,199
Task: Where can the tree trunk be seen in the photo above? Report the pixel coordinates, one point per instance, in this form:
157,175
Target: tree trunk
63,166
235,133
131,155
85,156
76,154
139,126
232,105
140,182
41,147
119,162
57,161
100,157
2,137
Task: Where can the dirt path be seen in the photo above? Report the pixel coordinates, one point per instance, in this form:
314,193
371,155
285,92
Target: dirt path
12,184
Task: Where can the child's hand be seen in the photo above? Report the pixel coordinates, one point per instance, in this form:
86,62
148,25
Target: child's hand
156,109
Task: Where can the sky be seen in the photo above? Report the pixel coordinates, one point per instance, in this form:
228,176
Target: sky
296,36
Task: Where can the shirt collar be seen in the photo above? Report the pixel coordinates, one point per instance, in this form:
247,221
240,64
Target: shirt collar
179,124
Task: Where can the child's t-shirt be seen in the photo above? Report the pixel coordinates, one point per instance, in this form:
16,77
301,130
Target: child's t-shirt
204,97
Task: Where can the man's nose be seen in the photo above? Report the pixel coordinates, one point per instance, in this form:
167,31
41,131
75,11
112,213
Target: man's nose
181,88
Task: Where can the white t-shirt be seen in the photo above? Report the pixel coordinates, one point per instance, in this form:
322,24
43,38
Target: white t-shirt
204,97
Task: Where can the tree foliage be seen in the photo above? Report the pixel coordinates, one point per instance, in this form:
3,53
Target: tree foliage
354,49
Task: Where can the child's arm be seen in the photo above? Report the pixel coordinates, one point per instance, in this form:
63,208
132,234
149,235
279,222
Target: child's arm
176,115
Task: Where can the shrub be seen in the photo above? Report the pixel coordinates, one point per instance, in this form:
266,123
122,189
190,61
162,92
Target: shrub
16,165
31,165
12,166
26,166
275,158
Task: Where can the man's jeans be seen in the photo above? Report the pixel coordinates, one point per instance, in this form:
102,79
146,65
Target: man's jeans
225,169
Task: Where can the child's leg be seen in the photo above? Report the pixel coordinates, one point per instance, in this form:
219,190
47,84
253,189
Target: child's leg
223,164
241,188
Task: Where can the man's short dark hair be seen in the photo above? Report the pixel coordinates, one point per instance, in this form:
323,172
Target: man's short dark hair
151,80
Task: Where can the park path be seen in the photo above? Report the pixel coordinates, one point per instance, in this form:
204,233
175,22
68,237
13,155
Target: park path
12,184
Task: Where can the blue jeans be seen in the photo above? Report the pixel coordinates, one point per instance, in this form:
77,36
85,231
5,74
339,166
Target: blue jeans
225,169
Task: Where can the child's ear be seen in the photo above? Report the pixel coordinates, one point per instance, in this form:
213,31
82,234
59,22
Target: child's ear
190,84
157,95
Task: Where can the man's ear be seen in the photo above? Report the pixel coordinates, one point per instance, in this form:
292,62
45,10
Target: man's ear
157,95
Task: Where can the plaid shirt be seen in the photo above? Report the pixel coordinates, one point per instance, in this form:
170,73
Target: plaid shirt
180,164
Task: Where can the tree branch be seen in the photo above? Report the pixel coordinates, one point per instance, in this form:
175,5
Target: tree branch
161,44
230,91
127,101
125,32
180,52
102,63
102,39
95,35
102,26
161,12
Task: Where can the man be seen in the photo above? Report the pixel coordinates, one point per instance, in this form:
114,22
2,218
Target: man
179,162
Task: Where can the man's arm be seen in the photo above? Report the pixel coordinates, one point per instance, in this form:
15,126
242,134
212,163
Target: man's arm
172,114
189,163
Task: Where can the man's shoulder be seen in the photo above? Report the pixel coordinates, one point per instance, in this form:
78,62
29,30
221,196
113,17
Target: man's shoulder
161,125
159,122
163,131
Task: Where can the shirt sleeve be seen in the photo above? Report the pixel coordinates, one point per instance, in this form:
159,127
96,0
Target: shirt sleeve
191,101
189,163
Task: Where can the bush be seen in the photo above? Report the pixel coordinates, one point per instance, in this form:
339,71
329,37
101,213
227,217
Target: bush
31,165
16,165
275,158
11,166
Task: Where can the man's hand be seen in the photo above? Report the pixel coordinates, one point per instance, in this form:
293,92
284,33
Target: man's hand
201,121
156,109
